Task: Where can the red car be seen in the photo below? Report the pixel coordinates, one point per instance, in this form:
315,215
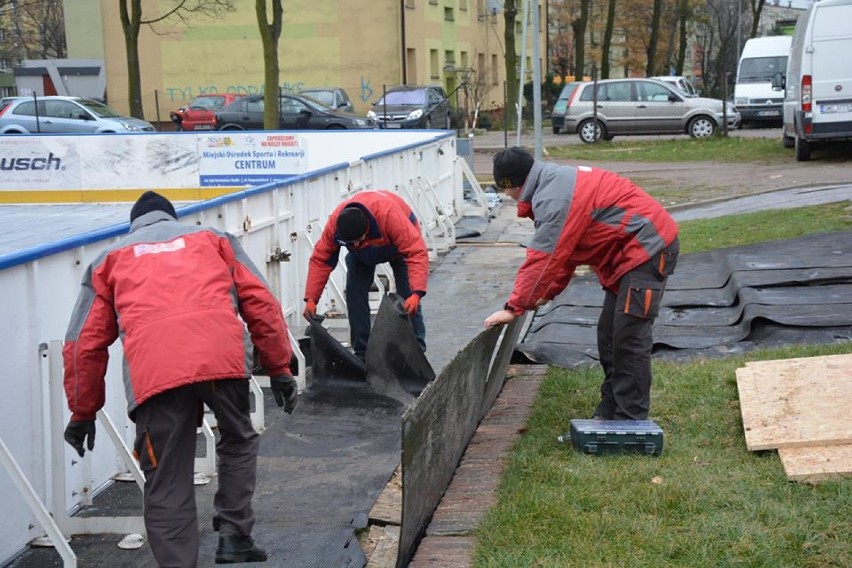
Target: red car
199,114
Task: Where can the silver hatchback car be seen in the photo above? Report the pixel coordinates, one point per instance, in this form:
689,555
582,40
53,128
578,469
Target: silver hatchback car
59,115
642,106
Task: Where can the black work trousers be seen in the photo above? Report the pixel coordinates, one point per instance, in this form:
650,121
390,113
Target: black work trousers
166,427
625,340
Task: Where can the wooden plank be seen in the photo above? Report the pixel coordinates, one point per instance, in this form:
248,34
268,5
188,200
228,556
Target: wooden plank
796,402
817,463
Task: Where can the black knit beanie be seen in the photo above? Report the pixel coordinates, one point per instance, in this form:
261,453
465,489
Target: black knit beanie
151,201
352,224
511,167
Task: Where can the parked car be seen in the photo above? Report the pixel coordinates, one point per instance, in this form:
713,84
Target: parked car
297,112
413,107
681,83
200,113
332,97
557,116
59,114
643,106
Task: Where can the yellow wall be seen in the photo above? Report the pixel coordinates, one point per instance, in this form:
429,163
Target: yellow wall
354,44
84,29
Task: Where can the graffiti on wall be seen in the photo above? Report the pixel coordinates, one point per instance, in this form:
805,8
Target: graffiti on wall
186,93
189,92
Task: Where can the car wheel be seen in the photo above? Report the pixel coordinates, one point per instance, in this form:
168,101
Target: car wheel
449,125
231,127
787,141
555,130
590,131
335,127
803,149
428,124
701,127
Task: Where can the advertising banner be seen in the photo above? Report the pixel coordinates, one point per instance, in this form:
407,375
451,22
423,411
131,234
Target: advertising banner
250,159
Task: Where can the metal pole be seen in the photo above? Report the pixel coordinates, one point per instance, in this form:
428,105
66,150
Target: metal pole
536,84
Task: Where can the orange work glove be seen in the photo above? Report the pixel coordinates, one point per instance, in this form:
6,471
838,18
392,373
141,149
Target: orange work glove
310,309
412,303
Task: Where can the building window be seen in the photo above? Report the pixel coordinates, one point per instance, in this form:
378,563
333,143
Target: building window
465,62
495,70
463,5
434,71
449,15
433,2
410,4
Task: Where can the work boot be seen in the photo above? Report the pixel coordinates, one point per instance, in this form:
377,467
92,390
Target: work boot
237,548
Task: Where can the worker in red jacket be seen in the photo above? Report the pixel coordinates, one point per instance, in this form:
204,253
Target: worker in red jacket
180,297
589,216
375,227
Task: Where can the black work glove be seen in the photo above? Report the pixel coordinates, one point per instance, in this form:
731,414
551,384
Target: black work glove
76,433
285,391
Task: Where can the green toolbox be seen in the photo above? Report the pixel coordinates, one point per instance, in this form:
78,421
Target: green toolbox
600,437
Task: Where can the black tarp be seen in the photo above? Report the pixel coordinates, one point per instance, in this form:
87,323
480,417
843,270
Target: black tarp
726,299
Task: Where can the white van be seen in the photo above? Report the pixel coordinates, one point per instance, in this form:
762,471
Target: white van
818,96
754,96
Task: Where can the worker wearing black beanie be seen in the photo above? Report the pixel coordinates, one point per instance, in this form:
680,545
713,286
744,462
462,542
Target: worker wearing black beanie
151,201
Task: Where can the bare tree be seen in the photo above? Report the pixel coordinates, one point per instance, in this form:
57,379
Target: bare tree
37,28
270,34
132,20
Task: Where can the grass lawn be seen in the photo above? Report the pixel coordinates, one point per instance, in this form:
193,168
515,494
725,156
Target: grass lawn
685,149
706,501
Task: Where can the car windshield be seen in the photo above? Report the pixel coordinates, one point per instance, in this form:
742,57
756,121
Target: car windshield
414,98
325,97
315,104
208,103
759,69
99,109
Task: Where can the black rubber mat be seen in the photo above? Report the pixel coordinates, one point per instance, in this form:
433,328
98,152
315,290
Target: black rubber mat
716,300
332,364
396,366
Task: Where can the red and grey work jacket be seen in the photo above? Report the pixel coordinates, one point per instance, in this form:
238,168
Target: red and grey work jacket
184,300
585,216
394,231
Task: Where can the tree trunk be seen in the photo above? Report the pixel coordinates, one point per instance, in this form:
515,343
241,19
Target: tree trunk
130,23
579,26
510,15
654,39
755,16
270,33
683,19
607,39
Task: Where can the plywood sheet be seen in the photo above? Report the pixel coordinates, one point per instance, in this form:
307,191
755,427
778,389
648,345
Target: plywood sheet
796,402
812,464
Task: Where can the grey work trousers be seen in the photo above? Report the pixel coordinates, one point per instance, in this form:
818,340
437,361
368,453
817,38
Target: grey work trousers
165,447
625,340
